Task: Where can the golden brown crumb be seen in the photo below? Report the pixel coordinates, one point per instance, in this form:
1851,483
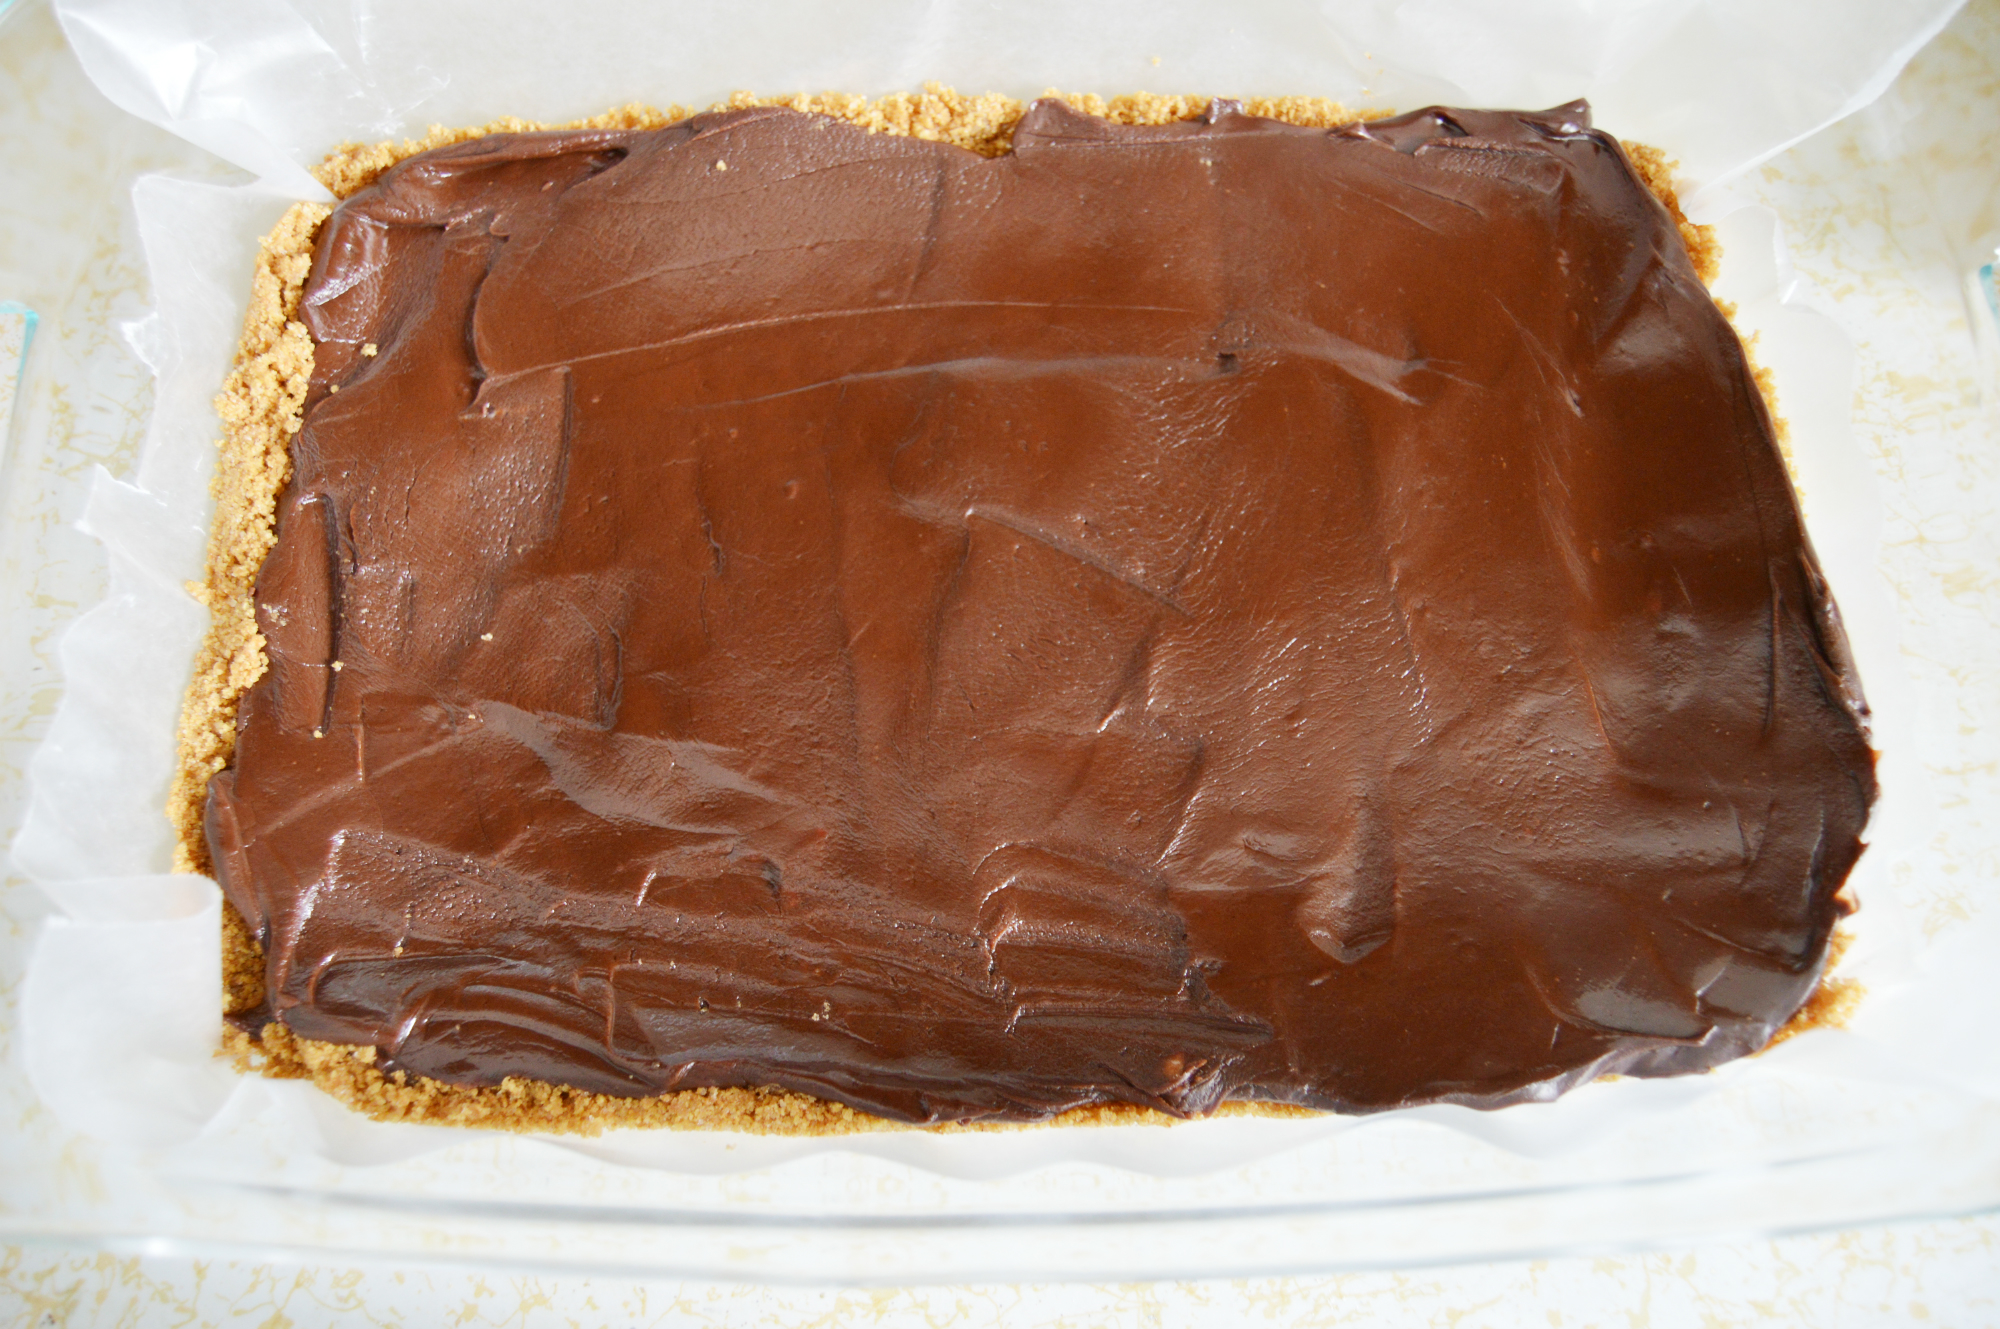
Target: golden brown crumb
261,408
1832,1003
1657,171
1767,388
1831,1006
242,964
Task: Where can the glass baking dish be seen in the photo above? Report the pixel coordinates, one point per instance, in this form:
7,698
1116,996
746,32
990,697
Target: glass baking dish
167,1152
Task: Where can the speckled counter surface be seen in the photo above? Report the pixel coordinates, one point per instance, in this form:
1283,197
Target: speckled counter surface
1931,1274
1883,214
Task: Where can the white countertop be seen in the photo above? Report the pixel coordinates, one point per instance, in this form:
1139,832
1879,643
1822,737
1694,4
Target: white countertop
1882,214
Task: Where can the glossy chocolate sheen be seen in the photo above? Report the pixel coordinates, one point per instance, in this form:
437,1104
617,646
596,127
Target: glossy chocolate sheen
1217,610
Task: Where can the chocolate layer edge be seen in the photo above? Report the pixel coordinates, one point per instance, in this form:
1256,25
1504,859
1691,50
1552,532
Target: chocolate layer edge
261,407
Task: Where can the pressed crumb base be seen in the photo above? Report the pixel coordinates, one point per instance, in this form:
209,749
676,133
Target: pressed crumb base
261,406
349,1074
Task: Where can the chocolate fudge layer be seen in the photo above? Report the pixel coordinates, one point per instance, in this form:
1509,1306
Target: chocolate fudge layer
1209,611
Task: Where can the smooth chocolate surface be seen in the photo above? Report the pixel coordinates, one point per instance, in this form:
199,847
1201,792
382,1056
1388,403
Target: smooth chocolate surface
1218,610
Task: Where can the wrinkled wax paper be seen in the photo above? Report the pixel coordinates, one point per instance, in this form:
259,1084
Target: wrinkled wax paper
122,1001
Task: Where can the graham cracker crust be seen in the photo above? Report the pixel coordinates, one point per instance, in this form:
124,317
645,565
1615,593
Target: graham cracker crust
261,406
